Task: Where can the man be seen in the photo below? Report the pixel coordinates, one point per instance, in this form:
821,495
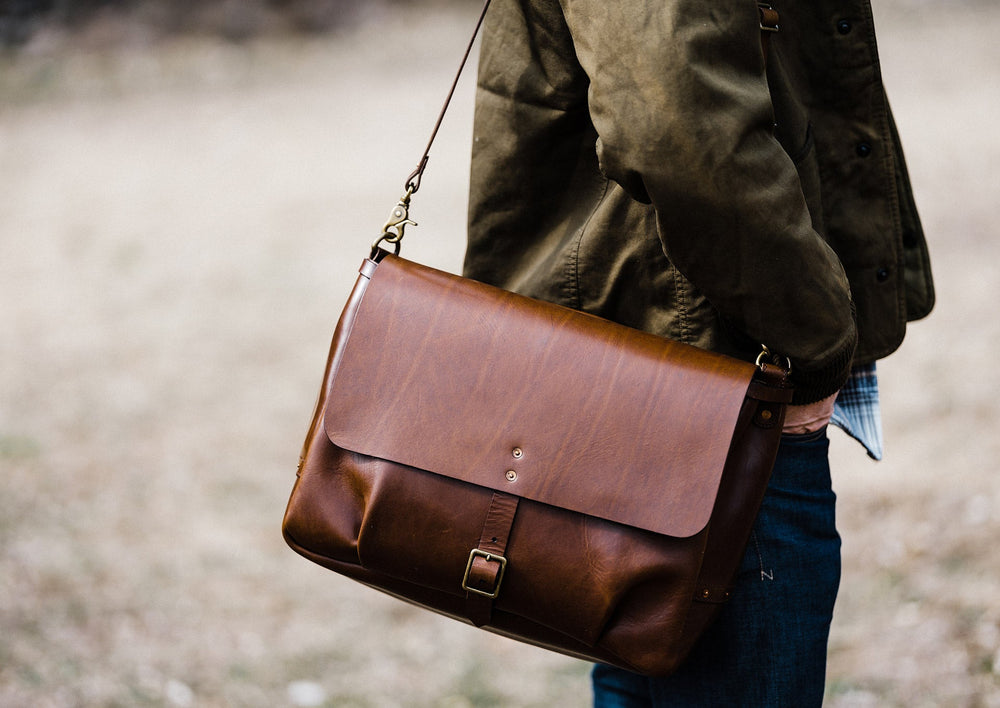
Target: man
727,174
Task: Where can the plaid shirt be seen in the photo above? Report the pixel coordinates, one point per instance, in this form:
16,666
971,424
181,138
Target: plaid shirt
857,411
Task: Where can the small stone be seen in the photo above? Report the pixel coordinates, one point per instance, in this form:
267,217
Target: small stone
306,693
179,693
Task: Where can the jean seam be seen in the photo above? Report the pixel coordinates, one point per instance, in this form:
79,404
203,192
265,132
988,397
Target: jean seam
764,574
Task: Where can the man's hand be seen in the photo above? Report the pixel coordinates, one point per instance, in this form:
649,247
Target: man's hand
808,418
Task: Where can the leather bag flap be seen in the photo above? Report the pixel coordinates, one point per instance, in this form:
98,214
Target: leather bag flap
481,385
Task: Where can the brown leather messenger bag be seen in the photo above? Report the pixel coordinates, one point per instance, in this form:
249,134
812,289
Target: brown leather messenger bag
533,470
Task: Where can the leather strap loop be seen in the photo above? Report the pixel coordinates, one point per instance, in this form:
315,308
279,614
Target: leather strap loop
768,24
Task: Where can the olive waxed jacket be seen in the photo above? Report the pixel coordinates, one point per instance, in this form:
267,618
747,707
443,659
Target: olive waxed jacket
637,159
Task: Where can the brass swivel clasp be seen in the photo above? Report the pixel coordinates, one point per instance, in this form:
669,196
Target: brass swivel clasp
766,357
399,219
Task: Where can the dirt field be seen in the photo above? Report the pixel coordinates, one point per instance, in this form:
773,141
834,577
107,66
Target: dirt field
178,230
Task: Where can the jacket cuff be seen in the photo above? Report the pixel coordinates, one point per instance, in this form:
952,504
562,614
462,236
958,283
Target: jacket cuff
812,386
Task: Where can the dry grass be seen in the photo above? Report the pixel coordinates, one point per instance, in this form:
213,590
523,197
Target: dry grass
178,229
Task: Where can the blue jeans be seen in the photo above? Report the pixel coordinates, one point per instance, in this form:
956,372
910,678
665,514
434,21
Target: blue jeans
768,645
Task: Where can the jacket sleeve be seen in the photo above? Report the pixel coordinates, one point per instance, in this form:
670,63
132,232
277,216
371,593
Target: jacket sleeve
679,99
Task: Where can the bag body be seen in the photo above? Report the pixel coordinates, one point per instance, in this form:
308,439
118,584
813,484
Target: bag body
539,472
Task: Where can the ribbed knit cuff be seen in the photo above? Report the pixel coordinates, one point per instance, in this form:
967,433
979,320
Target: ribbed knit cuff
812,386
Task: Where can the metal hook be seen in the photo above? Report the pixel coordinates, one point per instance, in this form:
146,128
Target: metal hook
399,219
775,359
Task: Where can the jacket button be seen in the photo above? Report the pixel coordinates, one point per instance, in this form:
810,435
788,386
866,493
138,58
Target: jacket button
844,26
882,274
863,149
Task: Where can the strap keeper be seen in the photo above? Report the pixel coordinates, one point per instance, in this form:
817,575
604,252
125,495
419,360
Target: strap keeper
768,17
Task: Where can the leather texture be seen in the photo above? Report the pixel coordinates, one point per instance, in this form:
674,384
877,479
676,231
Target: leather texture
533,470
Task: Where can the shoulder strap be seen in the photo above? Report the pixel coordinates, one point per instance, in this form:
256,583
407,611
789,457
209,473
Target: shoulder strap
413,181
399,217
768,24
392,231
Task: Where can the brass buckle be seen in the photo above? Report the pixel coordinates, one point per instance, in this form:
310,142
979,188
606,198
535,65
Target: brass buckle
489,558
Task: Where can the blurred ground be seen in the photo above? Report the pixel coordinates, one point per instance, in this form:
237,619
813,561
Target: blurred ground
179,226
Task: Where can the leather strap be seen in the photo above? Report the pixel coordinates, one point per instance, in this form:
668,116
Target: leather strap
771,384
772,390
768,24
413,181
487,564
